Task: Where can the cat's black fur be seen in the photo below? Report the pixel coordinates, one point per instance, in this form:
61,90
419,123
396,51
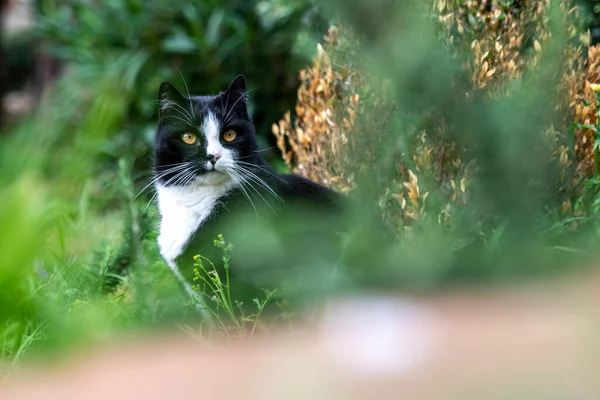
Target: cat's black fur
289,223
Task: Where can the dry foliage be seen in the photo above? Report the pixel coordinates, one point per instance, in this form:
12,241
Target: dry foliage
328,105
500,35
583,102
505,41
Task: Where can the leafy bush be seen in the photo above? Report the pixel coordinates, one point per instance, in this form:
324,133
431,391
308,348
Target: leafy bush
470,130
126,48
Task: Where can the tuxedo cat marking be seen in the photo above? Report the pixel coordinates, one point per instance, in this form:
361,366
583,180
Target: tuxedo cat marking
210,177
185,204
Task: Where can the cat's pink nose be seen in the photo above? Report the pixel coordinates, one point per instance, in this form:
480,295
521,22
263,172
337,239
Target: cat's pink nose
214,158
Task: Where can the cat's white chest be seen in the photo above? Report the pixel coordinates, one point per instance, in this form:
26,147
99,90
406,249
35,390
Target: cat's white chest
183,211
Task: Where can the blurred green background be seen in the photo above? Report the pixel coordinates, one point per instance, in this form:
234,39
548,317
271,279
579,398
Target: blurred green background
79,87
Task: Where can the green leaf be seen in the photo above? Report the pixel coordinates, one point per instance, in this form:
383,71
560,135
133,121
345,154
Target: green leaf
586,126
213,27
472,20
179,43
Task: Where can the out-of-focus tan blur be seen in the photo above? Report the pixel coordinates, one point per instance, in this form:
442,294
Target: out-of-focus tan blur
528,343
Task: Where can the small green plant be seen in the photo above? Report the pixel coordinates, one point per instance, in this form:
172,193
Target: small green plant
216,298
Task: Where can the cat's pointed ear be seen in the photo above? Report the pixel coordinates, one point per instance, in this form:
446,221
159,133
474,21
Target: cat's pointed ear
236,95
238,86
169,98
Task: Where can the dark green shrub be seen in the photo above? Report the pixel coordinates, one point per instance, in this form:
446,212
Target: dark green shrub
124,49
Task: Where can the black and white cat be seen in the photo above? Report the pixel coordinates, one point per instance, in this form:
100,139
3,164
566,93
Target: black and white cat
211,179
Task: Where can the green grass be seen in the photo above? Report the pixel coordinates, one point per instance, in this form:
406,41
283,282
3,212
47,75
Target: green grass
215,297
93,276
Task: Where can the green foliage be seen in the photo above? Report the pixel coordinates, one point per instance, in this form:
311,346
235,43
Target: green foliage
586,202
465,108
124,49
78,256
215,296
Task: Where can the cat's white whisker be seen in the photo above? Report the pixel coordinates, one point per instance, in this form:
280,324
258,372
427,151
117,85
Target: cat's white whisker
259,151
176,177
240,184
226,102
160,175
189,96
243,96
181,181
260,181
251,186
249,177
261,168
187,115
177,117
240,181
250,180
152,200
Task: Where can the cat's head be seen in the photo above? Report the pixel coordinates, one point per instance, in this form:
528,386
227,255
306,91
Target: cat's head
200,139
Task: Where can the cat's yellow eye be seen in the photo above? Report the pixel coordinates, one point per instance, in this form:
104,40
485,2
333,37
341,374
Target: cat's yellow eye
229,135
188,138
